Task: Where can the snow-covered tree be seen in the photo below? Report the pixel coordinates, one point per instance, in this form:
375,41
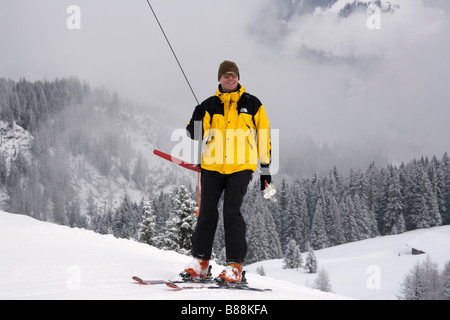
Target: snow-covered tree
125,220
292,257
297,226
311,261
446,281
427,214
292,228
335,228
445,167
140,173
393,222
260,270
181,223
263,240
318,236
280,215
147,225
322,281
362,218
424,282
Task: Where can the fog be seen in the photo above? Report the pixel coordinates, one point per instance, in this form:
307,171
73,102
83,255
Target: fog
319,74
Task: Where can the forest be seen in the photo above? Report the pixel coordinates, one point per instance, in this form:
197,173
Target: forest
76,128
325,211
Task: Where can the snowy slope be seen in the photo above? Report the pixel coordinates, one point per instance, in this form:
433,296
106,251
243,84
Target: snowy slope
40,260
373,268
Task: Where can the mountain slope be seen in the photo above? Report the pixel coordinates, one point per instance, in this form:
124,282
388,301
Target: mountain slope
372,268
40,260
66,148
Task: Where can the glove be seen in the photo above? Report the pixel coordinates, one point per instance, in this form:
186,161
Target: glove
199,113
265,178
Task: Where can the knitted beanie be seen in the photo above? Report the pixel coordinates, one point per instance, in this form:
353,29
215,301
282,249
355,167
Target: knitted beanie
228,66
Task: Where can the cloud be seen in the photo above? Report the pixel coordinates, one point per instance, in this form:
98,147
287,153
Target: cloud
383,89
318,73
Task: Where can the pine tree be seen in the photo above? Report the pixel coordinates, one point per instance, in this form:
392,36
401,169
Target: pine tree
3,168
161,208
318,237
322,281
263,239
336,228
281,213
274,250
302,237
255,240
186,208
348,218
446,281
437,179
311,261
260,270
146,232
293,257
445,168
427,214
140,172
181,224
374,190
126,219
393,222
292,229
362,218
424,282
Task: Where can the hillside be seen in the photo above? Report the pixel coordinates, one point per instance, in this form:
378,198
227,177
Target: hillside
40,260
69,150
372,268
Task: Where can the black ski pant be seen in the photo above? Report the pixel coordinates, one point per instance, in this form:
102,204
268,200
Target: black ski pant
213,184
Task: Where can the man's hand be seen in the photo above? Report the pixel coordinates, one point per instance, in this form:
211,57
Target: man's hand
265,181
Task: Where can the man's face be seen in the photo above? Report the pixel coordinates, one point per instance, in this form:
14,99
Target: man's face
229,81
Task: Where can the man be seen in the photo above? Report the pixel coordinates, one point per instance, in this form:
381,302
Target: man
237,132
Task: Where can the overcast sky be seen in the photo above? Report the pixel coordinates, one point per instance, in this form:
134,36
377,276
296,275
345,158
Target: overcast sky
317,74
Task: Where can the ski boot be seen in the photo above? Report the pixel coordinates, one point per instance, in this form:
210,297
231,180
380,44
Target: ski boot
232,275
197,270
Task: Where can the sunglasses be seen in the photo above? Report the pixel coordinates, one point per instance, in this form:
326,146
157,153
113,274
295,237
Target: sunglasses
234,75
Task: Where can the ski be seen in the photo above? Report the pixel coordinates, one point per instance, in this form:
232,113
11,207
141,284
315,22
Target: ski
177,161
153,282
226,286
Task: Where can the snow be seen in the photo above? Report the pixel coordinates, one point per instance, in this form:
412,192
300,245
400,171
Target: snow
370,269
385,4
40,260
13,140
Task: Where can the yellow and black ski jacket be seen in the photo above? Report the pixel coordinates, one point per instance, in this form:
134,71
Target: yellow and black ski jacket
236,130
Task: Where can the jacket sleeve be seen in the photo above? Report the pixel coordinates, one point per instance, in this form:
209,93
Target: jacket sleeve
263,137
196,127
190,128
